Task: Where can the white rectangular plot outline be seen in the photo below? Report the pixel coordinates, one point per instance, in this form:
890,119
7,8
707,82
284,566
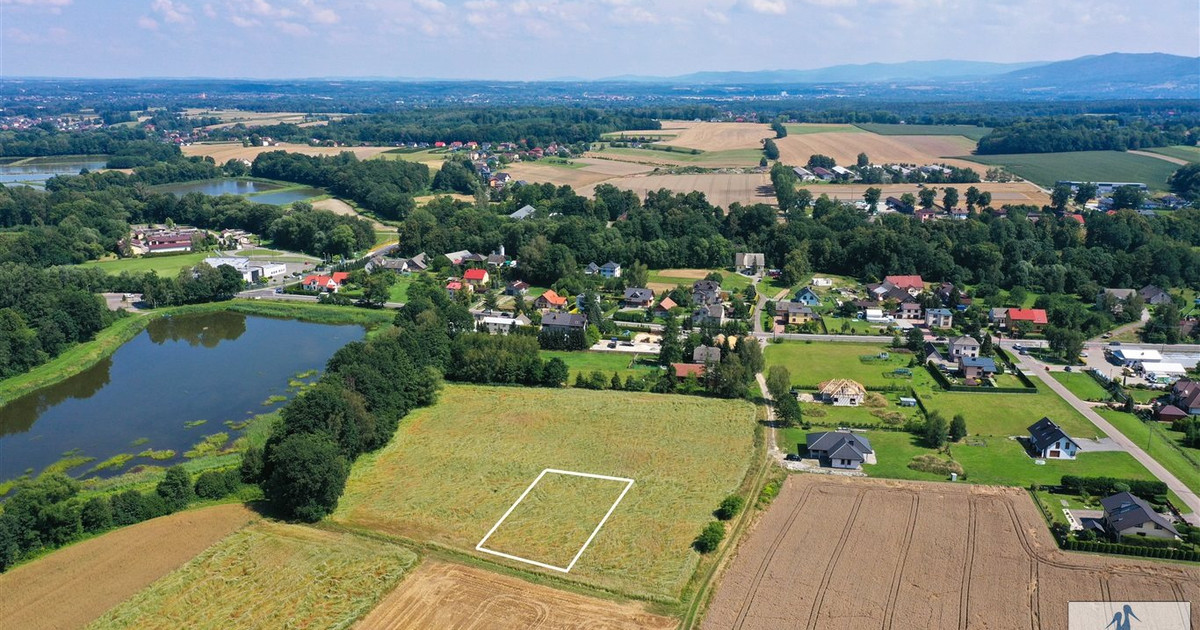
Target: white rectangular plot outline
567,569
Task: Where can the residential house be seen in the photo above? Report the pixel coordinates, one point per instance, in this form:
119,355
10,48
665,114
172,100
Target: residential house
709,315
705,292
963,347
1126,514
822,282
749,263
974,369
997,315
563,322
638,297
706,354
498,259
610,269
525,212
1171,413
591,269
840,449
684,370
457,258
455,286
1153,295
328,283
945,293
807,297
842,392
925,214
912,284
939,318
1185,394
415,264
166,242
549,300
910,310
664,307
1120,295
516,287
476,277
1049,441
500,324
1035,316
898,205
794,313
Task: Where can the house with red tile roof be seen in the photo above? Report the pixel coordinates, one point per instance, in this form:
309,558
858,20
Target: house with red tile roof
330,283
548,300
1035,316
476,277
684,370
908,283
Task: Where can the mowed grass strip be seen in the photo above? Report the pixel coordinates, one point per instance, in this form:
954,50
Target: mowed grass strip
622,363
1045,169
967,131
813,363
269,575
162,265
1004,415
1082,385
1160,443
1182,152
539,523
453,469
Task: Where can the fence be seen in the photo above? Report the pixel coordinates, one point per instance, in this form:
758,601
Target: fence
946,385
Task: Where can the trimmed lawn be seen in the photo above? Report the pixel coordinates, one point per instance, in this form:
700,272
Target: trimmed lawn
398,292
453,469
1004,415
1144,396
730,281
968,131
833,325
1082,385
1086,166
163,265
813,363
623,363
1160,443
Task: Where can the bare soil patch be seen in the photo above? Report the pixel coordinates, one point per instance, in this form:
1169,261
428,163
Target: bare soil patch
73,586
222,152
844,147
721,189
708,136
853,553
337,206
442,595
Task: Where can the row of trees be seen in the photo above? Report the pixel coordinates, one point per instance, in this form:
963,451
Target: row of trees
1082,133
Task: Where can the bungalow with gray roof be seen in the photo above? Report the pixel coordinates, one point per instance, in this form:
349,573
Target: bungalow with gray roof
840,449
1128,515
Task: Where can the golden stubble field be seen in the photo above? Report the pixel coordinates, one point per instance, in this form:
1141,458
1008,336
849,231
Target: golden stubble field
854,553
844,148
1006,193
222,152
720,189
454,469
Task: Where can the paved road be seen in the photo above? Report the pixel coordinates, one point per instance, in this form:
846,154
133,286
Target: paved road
1189,498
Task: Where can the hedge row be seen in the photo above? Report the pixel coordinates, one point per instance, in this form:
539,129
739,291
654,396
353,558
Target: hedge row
1100,546
1106,486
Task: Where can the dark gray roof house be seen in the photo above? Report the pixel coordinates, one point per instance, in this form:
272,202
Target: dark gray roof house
525,212
638,295
705,354
839,449
591,269
564,321
1126,514
1049,440
1153,295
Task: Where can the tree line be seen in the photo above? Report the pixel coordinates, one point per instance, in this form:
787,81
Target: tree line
385,187
1085,133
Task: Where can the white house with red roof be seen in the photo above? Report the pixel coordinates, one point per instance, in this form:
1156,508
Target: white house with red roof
329,283
1035,316
912,284
476,277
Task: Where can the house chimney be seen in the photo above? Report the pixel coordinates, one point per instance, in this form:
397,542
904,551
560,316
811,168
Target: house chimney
501,250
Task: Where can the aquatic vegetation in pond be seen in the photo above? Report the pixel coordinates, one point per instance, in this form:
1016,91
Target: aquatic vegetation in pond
210,445
273,400
194,423
116,462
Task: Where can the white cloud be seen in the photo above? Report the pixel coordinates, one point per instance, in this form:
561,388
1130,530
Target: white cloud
432,6
243,22
209,11
716,16
768,7
294,29
148,23
171,12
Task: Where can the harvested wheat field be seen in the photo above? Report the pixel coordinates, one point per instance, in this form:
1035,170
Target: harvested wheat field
844,148
709,136
73,586
222,152
857,553
269,575
1009,193
440,595
583,172
337,206
720,189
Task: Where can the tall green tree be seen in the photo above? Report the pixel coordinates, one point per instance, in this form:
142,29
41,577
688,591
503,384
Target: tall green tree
872,196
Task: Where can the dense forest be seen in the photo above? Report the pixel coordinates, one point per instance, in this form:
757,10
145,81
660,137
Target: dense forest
385,187
1086,133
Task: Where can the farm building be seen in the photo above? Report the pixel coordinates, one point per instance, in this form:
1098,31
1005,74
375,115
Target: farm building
842,392
1049,441
525,212
840,449
1132,357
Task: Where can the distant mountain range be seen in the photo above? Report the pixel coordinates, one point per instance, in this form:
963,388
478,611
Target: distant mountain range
1116,74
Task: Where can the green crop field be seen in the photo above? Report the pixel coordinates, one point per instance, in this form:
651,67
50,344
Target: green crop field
730,157
812,363
1045,169
967,131
800,130
163,265
1183,152
1161,443
1082,385
623,363
455,468
269,575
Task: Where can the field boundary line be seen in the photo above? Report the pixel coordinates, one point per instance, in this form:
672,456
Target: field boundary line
479,546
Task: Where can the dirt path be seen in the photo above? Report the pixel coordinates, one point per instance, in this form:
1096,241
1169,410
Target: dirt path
73,586
337,206
1167,158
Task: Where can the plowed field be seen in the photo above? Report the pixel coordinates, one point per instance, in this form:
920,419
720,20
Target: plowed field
845,147
854,553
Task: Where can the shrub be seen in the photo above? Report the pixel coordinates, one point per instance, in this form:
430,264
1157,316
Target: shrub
875,400
931,463
710,538
215,484
96,515
306,474
176,488
730,507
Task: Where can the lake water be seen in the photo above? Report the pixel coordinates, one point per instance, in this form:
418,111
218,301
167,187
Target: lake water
216,367
36,171
259,192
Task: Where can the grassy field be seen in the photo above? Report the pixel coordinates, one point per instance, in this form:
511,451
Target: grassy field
803,129
1082,385
1160,443
1003,415
163,265
1191,154
1045,169
269,575
455,468
812,363
623,363
968,131
729,157
730,281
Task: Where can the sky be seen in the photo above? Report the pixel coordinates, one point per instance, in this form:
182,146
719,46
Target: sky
549,39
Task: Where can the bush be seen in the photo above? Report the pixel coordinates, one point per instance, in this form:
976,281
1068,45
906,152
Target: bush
1105,486
96,515
215,484
710,538
176,488
931,463
730,507
305,476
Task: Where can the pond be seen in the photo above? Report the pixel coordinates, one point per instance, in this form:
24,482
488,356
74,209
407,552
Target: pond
154,391
260,192
35,171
